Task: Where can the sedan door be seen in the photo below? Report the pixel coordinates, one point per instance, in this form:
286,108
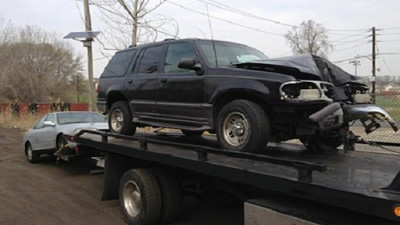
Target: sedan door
49,133
34,136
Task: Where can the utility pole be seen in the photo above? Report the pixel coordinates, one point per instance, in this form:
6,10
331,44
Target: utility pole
77,88
355,63
373,66
88,44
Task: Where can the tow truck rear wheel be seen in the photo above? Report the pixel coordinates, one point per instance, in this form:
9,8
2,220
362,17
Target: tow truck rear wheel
120,119
140,197
242,125
171,197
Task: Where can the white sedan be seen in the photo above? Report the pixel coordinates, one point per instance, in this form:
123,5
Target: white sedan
47,136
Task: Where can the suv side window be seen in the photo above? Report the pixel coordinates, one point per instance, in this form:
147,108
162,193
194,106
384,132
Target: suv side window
150,59
39,124
119,64
175,53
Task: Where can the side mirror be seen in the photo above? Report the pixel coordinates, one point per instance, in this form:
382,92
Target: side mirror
191,64
48,124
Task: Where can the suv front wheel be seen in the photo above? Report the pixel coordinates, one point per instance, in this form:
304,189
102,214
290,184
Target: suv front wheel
243,126
120,119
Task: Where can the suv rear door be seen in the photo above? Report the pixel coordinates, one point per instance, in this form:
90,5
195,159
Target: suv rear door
180,91
141,86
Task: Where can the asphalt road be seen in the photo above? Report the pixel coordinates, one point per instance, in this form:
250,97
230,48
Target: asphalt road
66,193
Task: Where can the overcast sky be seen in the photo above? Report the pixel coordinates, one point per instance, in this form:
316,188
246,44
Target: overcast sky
349,24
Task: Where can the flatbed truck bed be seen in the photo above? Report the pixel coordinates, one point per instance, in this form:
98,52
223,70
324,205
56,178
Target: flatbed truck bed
367,184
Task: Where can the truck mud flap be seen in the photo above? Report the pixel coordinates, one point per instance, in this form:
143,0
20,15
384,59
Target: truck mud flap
115,166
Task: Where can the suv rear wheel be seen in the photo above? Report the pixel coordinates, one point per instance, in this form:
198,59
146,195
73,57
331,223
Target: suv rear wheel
243,126
120,119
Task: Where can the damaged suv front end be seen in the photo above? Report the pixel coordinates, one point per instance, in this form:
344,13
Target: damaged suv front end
344,101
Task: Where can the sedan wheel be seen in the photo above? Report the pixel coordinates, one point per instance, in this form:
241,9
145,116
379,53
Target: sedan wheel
31,156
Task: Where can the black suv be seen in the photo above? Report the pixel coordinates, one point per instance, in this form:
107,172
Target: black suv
236,92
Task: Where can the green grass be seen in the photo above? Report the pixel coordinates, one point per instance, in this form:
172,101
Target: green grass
391,103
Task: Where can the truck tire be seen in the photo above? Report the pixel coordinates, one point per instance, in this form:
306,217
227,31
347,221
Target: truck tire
243,126
120,119
140,197
171,197
31,156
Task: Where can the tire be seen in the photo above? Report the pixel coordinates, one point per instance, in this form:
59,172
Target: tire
171,197
140,197
192,133
61,141
243,126
31,156
120,119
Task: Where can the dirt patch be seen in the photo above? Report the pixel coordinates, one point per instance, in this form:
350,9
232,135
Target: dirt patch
47,193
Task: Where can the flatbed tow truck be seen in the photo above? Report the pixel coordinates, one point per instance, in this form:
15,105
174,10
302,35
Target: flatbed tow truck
285,185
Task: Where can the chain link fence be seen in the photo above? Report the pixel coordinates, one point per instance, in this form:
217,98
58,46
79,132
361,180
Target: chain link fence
390,101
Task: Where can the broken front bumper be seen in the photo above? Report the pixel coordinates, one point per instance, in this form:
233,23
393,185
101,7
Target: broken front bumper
335,114
368,114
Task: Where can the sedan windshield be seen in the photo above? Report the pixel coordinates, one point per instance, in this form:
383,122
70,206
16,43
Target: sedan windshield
229,53
80,117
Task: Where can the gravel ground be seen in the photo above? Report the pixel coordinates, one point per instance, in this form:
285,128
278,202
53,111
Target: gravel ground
47,193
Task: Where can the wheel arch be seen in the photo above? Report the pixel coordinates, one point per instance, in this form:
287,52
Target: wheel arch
253,92
58,135
114,96
27,142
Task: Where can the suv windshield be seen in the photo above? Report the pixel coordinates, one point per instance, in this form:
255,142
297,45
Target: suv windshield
65,118
229,53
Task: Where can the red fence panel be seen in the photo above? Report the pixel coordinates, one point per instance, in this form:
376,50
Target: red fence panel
79,107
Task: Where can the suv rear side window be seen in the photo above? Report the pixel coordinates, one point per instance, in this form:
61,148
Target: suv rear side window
150,59
119,64
175,53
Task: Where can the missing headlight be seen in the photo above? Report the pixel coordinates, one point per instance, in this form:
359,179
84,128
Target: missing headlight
304,91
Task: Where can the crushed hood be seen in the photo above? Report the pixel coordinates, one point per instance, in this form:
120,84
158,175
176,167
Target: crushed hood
303,66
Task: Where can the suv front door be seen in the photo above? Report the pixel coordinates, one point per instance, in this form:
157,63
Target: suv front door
180,91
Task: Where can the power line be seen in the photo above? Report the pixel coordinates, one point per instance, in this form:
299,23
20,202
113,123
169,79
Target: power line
388,40
355,46
351,35
224,20
391,28
390,34
348,30
349,42
244,13
384,61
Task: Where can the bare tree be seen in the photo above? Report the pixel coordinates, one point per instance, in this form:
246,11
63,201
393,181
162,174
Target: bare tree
36,67
309,37
130,22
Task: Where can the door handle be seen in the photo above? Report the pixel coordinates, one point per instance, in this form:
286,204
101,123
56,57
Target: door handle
163,80
130,81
